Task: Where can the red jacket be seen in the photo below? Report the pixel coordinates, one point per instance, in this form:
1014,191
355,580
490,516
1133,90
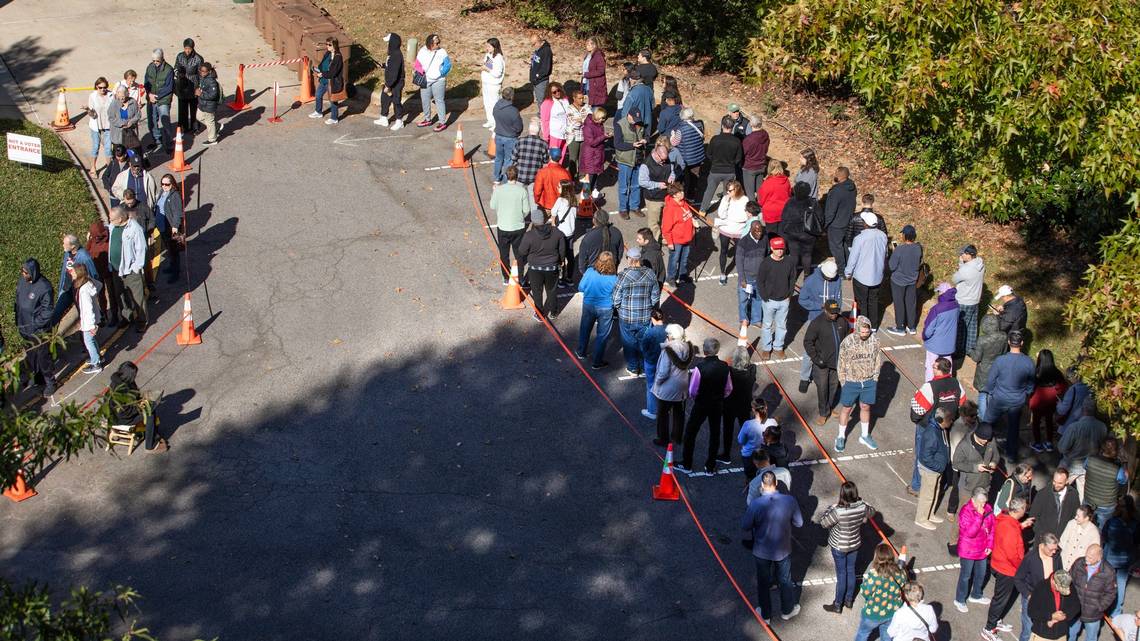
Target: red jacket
546,183
773,195
676,222
1009,547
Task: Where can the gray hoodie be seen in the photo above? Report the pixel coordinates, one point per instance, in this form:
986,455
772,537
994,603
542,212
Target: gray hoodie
671,382
968,280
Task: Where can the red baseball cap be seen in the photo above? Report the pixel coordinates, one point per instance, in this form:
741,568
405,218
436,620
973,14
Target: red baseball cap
777,243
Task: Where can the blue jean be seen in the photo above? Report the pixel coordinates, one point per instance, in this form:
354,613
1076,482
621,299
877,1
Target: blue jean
650,368
749,306
630,343
971,578
983,403
1026,624
322,89
92,347
844,575
158,123
1092,630
779,572
775,313
1122,566
504,147
915,479
678,262
434,91
868,625
998,408
101,138
604,317
1103,514
629,194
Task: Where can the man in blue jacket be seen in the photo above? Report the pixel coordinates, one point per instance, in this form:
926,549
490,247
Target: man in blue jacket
770,518
933,455
1010,384
640,98
541,64
821,285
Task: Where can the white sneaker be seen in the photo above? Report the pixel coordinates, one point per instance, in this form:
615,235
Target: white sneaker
649,415
330,121
316,114
791,615
961,607
990,635
766,621
984,600
488,125
595,194
1002,626
398,125
382,121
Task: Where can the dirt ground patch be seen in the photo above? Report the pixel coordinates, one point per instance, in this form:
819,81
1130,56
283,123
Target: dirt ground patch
1041,273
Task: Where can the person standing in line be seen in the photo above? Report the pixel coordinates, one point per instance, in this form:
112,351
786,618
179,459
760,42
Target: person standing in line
629,143
669,116
491,72
603,236
576,117
640,98
915,621
1105,482
882,593
117,165
635,296
844,522
750,252
554,115
66,293
433,62
1094,581
541,64
738,404
671,385
1052,606
592,159
597,287
865,266
774,194
168,214
126,254
858,371
751,436
904,263
529,156
543,247
392,92
838,211
821,285
755,164
1019,485
594,73
822,342
647,70
1081,440
975,459
1054,507
1009,385
809,171
726,153
87,297
511,204
652,338
651,255
565,217
1038,565
859,223
940,329
991,344
1079,534
775,283
123,118
654,177
208,94
975,543
764,462
731,223
549,180
690,140
34,323
1069,410
969,281
159,84
98,108
710,383
794,226
677,230
1120,536
770,519
330,75
1011,310
933,458
97,237
186,65
508,128
1049,387
1008,552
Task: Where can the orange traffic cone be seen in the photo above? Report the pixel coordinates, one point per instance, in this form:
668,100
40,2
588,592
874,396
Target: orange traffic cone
513,297
178,163
188,335
20,490
666,489
902,560
491,146
742,337
853,316
239,94
62,120
306,94
458,158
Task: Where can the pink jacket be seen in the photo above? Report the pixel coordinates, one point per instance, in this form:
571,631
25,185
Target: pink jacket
975,532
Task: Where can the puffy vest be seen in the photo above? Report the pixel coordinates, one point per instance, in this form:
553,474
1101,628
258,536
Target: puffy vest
658,173
1101,488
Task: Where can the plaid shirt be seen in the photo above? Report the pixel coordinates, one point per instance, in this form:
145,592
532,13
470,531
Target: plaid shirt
635,294
530,154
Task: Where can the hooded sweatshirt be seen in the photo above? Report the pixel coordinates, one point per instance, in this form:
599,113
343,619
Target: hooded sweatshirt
991,344
840,205
773,194
859,360
940,331
394,65
792,219
816,290
671,382
543,246
968,281
34,302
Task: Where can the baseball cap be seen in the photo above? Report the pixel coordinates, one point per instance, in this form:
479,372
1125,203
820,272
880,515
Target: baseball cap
555,153
633,252
829,268
777,243
635,112
733,108
968,249
869,219
1004,290
984,431
831,306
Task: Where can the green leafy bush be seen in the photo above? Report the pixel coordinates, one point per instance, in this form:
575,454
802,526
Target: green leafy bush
1107,311
1031,107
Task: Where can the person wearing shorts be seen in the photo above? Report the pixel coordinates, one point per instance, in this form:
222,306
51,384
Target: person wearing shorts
859,362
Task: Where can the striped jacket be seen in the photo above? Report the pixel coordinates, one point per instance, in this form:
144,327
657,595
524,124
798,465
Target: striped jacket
845,525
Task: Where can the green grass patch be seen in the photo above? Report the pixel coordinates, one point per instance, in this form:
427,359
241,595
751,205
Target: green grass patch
38,205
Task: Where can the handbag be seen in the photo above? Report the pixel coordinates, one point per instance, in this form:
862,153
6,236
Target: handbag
339,96
131,138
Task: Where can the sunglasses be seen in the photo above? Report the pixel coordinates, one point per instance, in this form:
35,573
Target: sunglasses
101,87
167,184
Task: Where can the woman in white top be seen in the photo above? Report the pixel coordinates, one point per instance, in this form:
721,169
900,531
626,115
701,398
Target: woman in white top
432,61
558,125
491,76
88,299
730,223
579,112
97,104
915,620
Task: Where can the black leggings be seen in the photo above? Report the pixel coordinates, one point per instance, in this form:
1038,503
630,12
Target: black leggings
542,286
727,246
673,430
395,99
